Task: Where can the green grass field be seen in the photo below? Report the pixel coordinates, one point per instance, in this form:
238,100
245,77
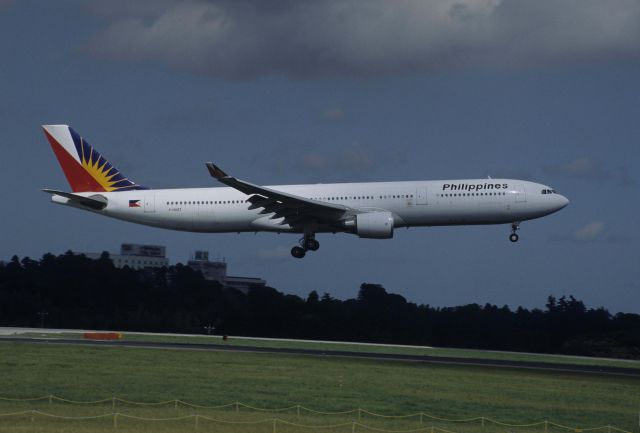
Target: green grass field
404,350
276,381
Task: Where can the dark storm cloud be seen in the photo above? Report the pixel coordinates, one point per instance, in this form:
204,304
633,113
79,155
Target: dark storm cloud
310,39
127,9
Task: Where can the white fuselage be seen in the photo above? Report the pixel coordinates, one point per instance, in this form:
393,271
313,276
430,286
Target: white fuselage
412,204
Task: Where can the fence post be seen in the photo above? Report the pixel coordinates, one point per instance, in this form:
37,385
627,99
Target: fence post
298,411
359,414
197,421
50,399
482,422
237,406
33,411
353,427
175,404
115,420
421,421
546,426
113,402
275,421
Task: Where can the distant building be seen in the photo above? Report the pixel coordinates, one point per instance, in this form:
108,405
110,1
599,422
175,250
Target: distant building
212,271
217,271
137,256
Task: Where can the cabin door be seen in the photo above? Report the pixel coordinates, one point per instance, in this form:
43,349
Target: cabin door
421,195
149,203
521,196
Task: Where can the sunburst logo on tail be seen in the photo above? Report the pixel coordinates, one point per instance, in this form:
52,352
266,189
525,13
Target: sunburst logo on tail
101,170
84,167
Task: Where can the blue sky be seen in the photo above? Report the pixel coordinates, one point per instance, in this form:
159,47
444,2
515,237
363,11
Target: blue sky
343,90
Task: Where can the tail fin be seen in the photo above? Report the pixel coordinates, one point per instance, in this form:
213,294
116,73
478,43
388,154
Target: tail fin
84,167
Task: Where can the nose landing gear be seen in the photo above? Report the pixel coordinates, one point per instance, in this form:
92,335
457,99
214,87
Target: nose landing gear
307,243
513,237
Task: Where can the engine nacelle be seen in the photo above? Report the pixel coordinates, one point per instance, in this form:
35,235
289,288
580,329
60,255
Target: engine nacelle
372,225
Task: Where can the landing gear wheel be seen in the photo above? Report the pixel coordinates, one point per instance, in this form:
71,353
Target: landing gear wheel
311,244
515,226
298,252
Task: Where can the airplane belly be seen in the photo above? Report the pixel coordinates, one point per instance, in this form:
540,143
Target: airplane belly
222,220
442,212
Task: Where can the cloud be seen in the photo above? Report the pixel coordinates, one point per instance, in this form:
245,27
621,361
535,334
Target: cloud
587,169
315,161
5,5
127,9
355,159
335,113
589,232
244,39
595,231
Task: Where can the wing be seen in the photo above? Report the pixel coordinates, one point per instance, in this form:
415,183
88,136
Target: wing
294,210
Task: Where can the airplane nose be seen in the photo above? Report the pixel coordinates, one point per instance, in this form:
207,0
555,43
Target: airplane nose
563,201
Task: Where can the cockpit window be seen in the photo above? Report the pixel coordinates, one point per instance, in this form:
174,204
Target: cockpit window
549,191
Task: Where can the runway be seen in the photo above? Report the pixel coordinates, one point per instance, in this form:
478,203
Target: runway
425,359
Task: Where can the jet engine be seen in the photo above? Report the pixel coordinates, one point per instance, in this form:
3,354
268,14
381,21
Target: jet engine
372,225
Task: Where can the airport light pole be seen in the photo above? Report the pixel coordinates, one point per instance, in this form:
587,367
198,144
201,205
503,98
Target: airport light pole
209,328
43,315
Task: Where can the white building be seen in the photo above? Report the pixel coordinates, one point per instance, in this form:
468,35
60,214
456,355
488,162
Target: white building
137,256
217,271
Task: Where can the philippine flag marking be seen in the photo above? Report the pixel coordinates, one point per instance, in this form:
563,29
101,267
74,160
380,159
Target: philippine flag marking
134,203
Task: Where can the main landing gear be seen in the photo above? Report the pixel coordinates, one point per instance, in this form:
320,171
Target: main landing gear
307,243
513,237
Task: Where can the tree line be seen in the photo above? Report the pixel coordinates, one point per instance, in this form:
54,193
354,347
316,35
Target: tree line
72,291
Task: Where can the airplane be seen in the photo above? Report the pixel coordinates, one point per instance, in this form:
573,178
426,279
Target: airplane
369,210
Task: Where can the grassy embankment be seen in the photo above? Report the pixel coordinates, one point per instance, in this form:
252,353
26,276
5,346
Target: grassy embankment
275,381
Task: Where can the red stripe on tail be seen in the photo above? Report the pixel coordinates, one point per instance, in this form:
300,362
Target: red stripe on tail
77,176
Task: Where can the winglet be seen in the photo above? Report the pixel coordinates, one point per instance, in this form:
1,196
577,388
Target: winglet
216,171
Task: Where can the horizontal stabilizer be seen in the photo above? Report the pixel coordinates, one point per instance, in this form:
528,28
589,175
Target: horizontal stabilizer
96,202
